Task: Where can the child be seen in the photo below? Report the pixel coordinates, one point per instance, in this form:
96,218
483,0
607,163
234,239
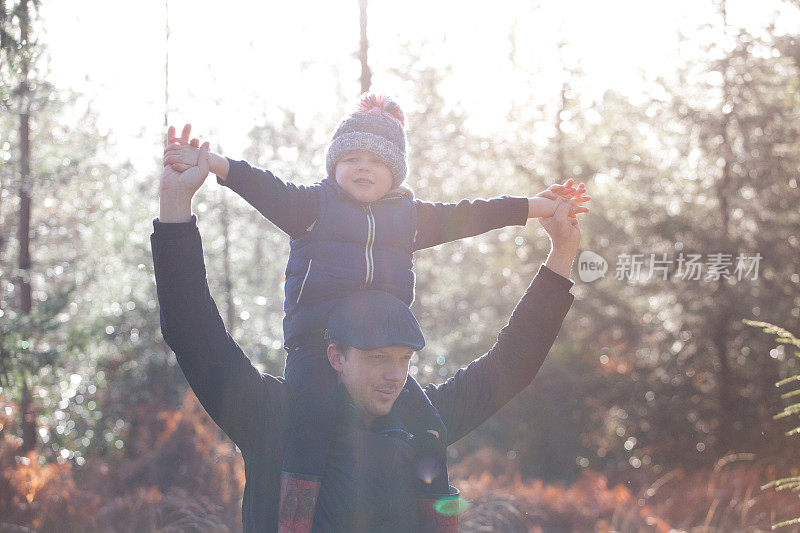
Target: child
355,229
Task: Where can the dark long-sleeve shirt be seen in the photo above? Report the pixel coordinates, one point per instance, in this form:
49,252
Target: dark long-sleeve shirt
293,208
255,409
353,245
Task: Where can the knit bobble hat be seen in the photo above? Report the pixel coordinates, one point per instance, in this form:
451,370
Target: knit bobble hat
377,126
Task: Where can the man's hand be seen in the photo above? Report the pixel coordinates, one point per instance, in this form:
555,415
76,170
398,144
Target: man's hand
563,230
182,154
565,236
178,188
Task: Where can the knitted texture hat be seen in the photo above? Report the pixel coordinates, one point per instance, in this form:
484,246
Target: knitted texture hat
377,126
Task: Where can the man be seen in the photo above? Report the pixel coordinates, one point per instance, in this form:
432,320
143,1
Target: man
376,466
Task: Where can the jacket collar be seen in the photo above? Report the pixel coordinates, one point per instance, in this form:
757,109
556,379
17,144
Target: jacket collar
430,453
391,425
394,194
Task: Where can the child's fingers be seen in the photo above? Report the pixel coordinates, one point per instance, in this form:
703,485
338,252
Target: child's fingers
179,154
195,143
547,194
173,157
579,209
176,145
565,194
181,167
182,146
170,134
569,191
574,193
580,200
177,157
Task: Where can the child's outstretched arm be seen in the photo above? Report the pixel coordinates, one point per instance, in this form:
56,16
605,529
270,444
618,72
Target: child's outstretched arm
292,208
438,223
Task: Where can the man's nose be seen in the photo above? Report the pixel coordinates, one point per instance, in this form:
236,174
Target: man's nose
396,373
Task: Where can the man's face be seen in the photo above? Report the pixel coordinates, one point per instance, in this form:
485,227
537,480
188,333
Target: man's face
364,176
374,378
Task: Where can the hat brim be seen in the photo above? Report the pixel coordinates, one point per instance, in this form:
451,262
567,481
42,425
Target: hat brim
371,319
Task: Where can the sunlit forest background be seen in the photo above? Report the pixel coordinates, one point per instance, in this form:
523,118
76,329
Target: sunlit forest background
657,408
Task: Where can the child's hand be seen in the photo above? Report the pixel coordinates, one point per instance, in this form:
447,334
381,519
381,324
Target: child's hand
180,154
545,203
566,190
557,192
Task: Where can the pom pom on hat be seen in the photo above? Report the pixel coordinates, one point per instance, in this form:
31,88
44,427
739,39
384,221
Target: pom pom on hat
378,104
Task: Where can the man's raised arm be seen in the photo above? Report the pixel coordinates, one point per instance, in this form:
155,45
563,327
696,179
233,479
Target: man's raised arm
489,382
220,374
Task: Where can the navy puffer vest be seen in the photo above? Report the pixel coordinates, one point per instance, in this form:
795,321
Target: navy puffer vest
351,246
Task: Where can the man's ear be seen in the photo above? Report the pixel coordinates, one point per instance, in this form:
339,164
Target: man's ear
335,357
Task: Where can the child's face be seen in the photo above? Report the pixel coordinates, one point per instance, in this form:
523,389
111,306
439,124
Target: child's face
364,175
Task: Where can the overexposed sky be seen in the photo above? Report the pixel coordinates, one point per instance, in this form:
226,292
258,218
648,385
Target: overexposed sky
232,61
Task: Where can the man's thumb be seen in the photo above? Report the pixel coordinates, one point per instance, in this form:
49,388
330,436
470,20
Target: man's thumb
202,161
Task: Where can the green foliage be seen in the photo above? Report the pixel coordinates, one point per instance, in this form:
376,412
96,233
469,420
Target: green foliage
17,55
71,340
707,165
792,410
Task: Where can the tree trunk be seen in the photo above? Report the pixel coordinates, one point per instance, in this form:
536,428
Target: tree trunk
226,262
23,280
28,413
366,74
722,331
24,228
166,65
725,388
561,163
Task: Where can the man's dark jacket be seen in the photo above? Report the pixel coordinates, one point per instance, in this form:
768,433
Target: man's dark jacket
368,484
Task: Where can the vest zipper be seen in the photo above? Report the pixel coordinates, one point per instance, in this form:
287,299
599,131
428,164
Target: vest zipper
368,247
302,285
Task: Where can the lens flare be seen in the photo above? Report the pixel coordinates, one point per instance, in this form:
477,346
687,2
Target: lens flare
451,505
426,468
